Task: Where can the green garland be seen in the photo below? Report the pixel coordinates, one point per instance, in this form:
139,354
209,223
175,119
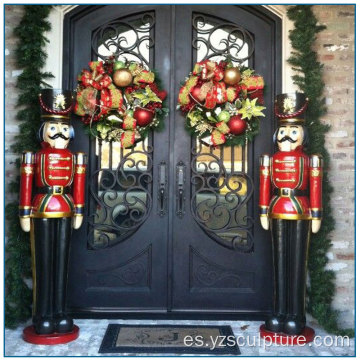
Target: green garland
309,80
31,57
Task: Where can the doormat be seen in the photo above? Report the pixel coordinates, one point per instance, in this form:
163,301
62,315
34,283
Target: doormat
176,339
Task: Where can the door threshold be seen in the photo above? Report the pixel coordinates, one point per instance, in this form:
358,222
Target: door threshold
151,314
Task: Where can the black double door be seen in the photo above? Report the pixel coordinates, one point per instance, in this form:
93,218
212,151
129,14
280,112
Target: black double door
171,225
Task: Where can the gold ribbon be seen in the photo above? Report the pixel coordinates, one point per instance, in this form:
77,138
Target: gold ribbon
217,138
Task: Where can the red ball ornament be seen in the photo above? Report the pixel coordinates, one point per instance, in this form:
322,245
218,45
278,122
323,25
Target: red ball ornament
197,94
237,125
143,116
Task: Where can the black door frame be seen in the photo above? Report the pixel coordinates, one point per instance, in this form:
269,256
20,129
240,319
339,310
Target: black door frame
276,57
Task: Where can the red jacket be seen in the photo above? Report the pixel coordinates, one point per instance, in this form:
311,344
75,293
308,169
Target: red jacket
291,185
54,170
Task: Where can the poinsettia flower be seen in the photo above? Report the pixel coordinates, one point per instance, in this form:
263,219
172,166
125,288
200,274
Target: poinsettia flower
249,109
148,96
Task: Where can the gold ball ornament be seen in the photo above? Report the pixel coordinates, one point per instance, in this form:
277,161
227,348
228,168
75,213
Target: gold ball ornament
232,76
122,77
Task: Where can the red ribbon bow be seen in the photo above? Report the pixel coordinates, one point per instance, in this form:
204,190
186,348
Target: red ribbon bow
213,73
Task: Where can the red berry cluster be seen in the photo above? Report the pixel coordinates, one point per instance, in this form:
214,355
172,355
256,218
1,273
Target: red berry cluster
109,65
153,105
223,64
131,89
188,107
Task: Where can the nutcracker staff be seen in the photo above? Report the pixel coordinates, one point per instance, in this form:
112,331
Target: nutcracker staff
50,210
290,205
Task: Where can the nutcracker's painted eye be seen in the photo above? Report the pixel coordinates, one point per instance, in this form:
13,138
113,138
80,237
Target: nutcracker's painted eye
294,132
53,128
65,129
282,132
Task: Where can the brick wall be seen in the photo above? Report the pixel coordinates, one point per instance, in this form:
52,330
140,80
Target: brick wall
335,46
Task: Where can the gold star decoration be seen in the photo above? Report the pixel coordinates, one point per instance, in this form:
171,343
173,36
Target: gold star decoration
289,105
60,101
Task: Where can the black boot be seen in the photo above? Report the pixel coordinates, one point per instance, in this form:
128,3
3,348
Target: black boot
63,323
294,325
275,323
44,326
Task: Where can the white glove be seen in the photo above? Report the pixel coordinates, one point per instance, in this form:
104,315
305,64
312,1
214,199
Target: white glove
25,224
315,226
77,221
264,220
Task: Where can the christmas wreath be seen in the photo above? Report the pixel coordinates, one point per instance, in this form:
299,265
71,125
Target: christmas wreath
222,103
119,101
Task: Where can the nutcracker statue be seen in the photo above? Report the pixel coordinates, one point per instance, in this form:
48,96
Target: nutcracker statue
49,210
290,205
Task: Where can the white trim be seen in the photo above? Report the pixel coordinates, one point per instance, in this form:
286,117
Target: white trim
287,25
66,8
54,48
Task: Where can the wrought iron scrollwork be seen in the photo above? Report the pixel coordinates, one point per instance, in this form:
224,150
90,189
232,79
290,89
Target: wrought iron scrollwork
222,196
122,198
138,36
219,201
205,274
230,46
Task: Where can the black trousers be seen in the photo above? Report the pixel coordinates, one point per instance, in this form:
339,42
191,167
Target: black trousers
290,239
50,255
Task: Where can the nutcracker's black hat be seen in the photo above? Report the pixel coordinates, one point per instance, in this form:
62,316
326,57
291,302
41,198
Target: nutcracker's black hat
290,108
56,104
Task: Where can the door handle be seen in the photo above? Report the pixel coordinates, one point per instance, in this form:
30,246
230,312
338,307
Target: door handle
162,196
180,190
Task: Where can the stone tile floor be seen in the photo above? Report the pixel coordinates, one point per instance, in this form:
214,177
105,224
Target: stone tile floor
92,332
